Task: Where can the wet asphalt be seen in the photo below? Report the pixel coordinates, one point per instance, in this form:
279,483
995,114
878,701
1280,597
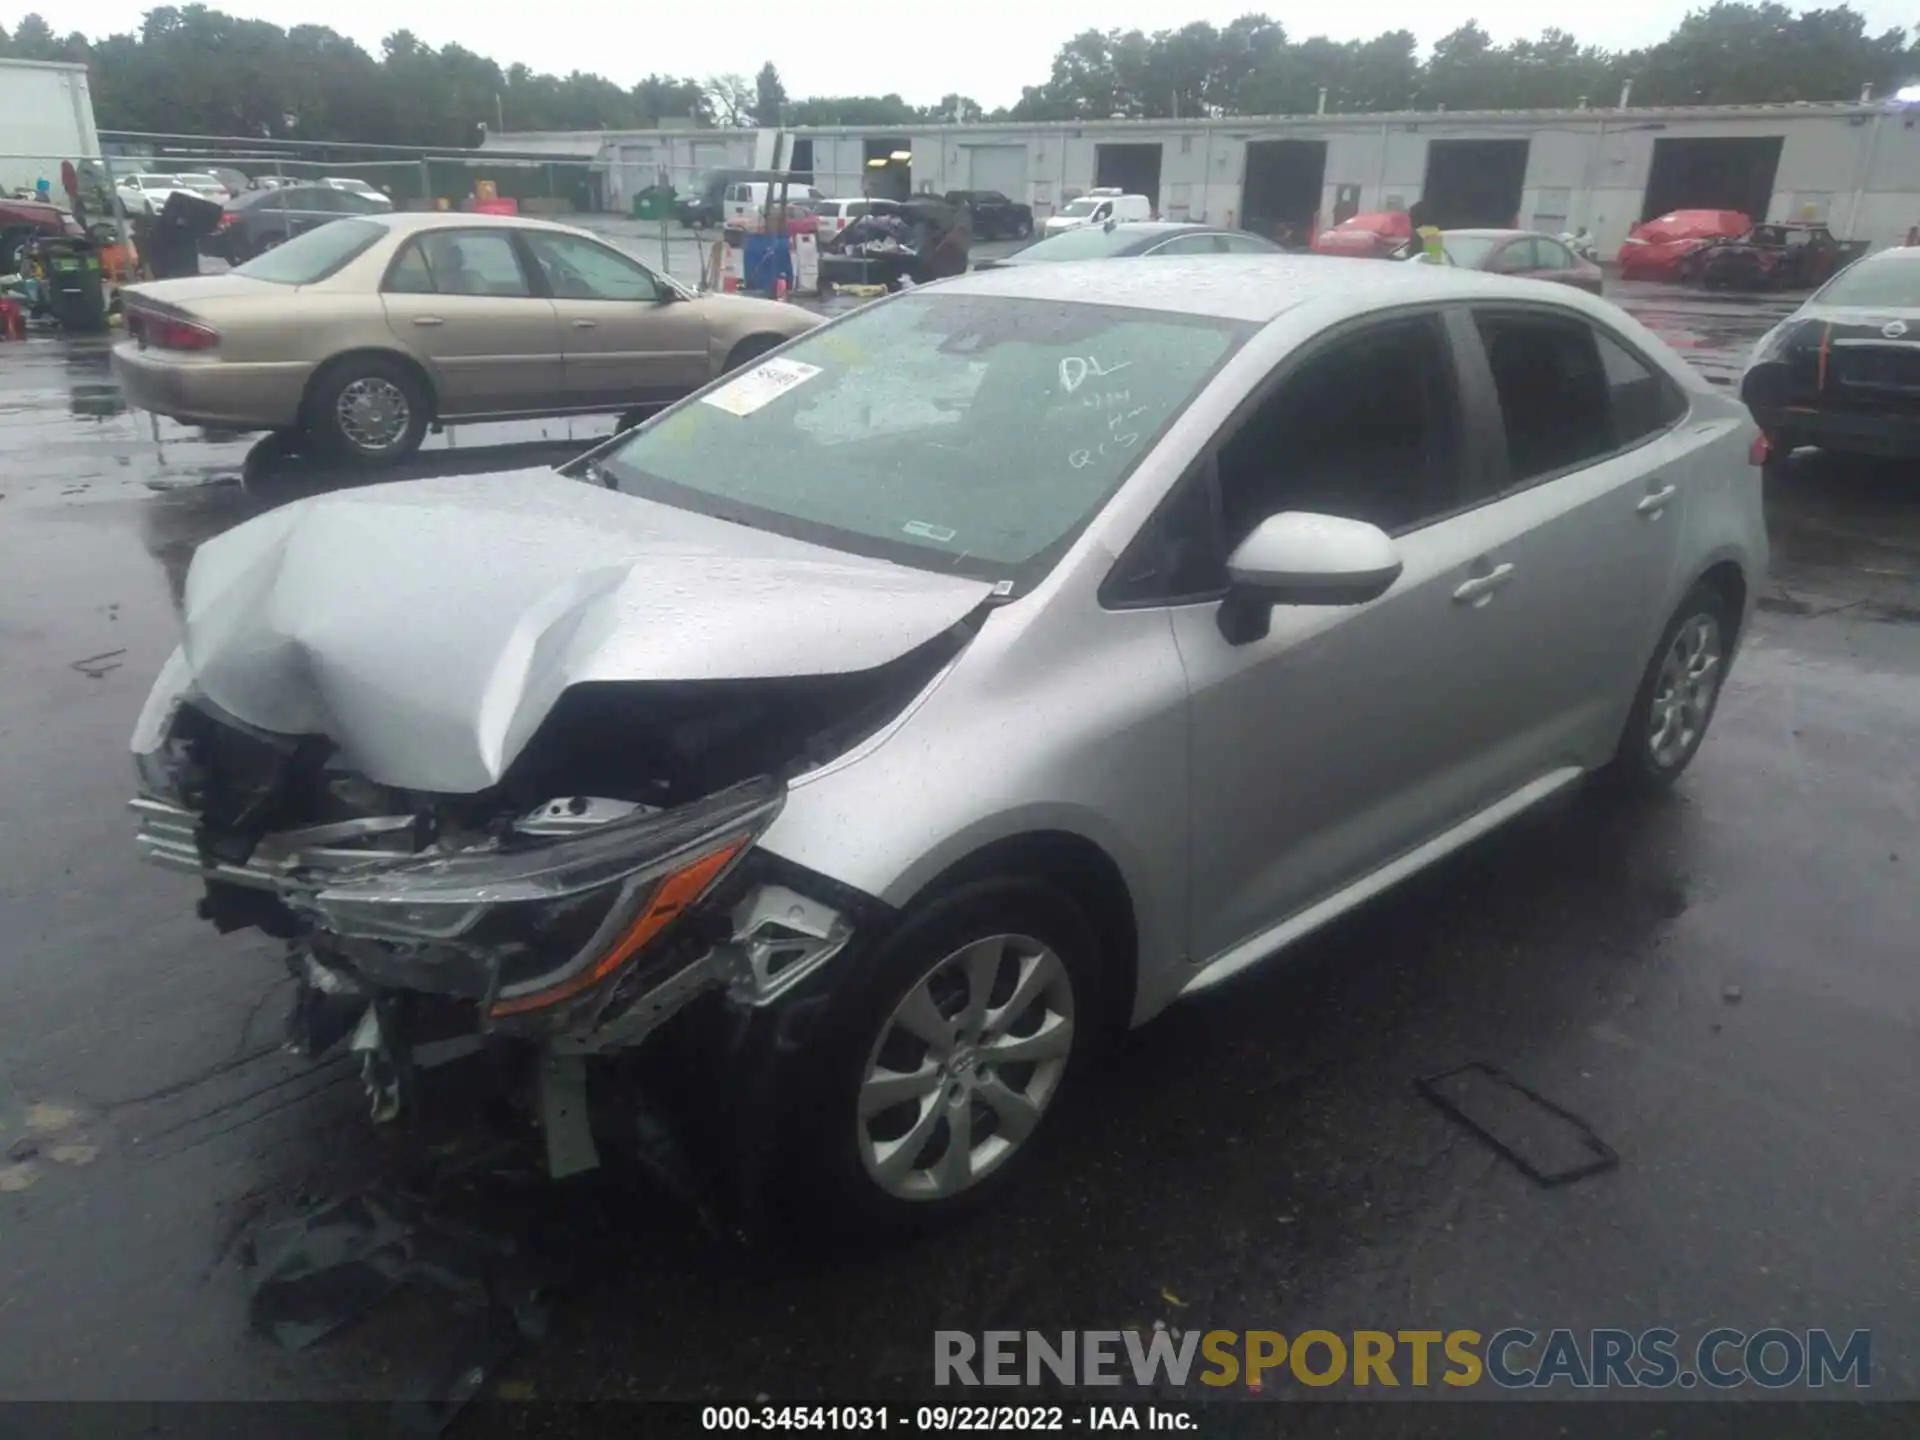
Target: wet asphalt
1725,986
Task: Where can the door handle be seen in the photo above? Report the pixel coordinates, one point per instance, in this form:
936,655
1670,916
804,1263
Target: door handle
1657,500
1480,588
585,324
428,320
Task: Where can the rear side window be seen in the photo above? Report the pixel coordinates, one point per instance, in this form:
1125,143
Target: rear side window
1555,402
410,275
1644,401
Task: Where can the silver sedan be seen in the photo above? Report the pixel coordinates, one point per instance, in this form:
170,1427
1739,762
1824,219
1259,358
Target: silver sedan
972,676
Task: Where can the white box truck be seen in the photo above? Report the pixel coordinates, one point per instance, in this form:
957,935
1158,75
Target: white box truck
46,116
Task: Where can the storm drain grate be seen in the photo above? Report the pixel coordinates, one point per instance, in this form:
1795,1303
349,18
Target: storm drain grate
1548,1144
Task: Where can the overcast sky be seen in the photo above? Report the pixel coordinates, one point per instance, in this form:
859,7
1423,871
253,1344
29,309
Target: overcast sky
984,48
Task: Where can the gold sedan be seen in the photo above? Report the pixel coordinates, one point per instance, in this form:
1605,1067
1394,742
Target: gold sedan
365,331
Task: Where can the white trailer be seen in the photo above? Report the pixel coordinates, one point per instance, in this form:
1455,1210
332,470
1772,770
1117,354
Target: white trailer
46,116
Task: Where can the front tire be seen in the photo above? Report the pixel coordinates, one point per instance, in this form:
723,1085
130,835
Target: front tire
955,1049
369,410
1679,692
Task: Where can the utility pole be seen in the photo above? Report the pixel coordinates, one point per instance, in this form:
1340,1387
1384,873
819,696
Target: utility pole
499,114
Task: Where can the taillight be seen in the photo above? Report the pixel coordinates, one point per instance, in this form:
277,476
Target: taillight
164,332
227,217
1761,450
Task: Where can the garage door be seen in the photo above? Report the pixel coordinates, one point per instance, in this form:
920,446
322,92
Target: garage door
999,167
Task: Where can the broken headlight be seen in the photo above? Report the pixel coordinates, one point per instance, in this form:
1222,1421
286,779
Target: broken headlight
556,917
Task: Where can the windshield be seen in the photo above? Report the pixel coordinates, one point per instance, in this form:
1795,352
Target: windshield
158,182
314,256
1470,251
1080,207
1894,281
966,433
1087,243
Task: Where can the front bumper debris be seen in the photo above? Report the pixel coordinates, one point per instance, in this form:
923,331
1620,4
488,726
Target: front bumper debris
412,954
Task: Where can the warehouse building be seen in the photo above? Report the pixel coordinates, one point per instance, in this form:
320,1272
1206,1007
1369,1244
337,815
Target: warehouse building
1855,166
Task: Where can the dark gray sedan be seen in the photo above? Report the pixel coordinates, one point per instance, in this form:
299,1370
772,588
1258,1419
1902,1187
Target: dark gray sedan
1137,237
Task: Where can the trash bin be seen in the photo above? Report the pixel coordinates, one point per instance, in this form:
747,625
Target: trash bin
768,258
75,295
654,203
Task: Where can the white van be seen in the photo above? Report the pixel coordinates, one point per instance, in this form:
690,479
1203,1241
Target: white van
1096,207
744,203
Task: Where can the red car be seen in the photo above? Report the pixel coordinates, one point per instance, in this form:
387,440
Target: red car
24,221
1375,235
1654,249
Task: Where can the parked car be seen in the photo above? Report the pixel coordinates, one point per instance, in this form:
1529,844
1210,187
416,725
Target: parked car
147,194
1166,238
23,222
365,331
894,720
205,184
1796,255
352,186
995,217
260,219
1515,252
745,203
1656,249
1096,208
835,214
1370,235
1842,372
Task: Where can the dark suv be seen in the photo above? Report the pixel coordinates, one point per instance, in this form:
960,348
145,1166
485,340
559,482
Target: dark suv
995,217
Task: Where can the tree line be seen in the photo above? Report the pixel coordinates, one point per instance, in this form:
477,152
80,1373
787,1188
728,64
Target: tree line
195,70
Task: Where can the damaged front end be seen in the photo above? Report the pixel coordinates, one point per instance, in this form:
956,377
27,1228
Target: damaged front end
421,927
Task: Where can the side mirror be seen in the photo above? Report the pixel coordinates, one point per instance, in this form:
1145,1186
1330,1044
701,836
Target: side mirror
1295,558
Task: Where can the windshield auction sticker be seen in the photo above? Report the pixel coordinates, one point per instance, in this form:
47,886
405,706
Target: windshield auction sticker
761,385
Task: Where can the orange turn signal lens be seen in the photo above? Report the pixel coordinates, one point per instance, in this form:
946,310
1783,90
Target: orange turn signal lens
670,899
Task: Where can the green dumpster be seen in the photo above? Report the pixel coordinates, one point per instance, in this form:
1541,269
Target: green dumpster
654,203
76,292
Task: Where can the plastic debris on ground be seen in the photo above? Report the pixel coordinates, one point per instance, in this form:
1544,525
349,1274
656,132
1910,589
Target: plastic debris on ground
321,1272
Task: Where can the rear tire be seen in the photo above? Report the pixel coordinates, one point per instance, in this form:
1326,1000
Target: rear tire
370,410
749,350
1678,694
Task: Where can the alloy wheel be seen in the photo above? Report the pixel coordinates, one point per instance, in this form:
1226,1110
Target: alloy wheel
1683,695
964,1067
373,413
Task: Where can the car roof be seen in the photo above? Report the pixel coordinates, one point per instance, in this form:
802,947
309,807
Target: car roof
410,221
1241,287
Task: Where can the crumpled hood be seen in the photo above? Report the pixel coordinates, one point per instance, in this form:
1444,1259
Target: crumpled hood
428,626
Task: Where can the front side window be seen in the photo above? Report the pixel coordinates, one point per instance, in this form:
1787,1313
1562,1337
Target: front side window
975,434
1366,429
1555,401
310,258
1080,209
578,269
